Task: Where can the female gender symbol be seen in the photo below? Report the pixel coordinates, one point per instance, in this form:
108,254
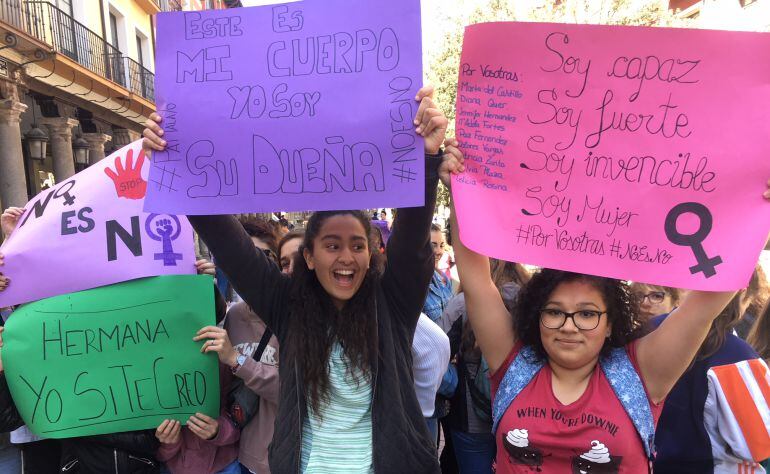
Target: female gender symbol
706,264
165,233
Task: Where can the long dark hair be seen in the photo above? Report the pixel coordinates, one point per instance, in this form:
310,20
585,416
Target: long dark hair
760,294
728,319
316,324
622,308
502,273
759,337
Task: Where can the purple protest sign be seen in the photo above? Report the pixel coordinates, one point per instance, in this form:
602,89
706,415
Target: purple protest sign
384,227
300,106
90,231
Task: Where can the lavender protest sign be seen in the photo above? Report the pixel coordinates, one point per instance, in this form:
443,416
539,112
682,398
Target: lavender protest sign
628,152
90,231
297,106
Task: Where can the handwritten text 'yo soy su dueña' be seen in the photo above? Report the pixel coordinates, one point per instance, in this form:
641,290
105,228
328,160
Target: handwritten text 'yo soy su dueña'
333,165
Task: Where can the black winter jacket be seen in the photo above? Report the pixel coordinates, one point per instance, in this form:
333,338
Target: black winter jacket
9,416
131,452
401,443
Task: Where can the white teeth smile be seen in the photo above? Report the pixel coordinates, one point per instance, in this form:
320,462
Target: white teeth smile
344,272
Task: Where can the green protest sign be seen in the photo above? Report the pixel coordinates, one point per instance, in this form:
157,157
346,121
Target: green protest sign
115,358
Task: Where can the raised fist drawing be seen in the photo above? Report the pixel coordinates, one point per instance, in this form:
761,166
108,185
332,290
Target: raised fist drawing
163,227
128,181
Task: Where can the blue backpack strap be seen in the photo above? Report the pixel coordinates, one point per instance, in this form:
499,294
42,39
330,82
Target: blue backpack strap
628,387
519,374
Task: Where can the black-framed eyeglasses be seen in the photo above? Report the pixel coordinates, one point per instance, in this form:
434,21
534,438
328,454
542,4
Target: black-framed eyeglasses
654,297
585,319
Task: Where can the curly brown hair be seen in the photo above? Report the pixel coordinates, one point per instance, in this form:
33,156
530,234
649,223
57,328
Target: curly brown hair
622,308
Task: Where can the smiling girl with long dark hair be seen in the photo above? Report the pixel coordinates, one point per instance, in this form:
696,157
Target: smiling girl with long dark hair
347,399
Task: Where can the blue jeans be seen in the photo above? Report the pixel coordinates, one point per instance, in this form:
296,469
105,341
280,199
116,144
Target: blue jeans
475,452
10,460
246,470
232,468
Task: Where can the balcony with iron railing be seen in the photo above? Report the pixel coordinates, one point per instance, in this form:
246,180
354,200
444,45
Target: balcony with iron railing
140,80
47,23
170,5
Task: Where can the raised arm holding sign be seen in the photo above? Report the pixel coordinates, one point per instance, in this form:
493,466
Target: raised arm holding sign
570,328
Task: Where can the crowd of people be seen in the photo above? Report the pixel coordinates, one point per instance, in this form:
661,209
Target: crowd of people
353,347
397,356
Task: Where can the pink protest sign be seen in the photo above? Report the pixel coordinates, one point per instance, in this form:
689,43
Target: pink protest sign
628,152
90,231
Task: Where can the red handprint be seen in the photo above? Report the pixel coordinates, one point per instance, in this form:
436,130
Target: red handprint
128,181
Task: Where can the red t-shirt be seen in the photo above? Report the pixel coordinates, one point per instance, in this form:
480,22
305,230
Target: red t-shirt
592,435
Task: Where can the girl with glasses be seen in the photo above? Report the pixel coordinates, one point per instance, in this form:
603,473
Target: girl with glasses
655,300
576,385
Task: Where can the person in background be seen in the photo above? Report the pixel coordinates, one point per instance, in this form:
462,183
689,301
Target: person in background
288,250
655,300
262,235
284,227
440,289
439,294
470,418
384,216
684,445
236,344
430,356
759,337
205,445
756,295
265,239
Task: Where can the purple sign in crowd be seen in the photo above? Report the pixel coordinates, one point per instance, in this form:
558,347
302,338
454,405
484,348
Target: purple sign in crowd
288,107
